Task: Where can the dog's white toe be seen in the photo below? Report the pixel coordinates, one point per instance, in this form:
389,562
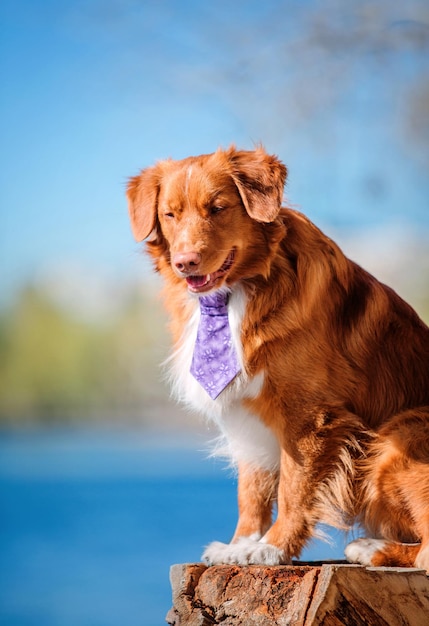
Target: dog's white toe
362,550
244,552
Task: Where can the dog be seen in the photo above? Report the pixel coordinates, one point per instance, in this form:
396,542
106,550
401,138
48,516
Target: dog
326,415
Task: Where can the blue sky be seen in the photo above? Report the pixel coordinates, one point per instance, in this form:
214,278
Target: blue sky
93,90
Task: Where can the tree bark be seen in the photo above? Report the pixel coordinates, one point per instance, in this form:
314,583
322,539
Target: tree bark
298,595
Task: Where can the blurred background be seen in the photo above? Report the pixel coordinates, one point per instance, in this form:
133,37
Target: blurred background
103,481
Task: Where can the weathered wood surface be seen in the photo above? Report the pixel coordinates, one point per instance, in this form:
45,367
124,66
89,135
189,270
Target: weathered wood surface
298,595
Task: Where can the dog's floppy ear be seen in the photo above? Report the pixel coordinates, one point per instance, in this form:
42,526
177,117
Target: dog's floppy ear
260,180
142,195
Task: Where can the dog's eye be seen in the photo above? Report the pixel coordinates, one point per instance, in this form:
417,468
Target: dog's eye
216,208
169,215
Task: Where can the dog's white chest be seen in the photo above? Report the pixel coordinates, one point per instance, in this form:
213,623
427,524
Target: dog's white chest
244,436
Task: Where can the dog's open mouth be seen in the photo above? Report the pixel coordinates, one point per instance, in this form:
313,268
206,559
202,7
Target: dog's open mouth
206,282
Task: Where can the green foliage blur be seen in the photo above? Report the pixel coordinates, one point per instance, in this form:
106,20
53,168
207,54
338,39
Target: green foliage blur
57,365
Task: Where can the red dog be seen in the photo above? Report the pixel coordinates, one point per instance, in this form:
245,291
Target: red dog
329,413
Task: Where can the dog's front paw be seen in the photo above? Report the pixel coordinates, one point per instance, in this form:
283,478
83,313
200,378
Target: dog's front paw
244,552
362,550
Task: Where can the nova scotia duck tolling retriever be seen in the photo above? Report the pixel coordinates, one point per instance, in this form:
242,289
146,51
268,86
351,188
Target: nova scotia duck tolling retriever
315,373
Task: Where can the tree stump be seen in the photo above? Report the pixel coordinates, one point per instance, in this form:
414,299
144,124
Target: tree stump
298,595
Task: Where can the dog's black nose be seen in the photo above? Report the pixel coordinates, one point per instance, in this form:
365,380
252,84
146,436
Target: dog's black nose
187,262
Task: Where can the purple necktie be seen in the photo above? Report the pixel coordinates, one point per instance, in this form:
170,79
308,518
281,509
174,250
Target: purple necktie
215,362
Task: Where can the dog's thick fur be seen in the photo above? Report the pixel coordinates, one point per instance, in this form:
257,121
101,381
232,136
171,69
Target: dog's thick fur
330,414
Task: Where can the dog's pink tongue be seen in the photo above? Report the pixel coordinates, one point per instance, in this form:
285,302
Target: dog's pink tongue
196,281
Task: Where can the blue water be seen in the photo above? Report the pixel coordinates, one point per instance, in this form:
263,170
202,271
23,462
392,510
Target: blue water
91,521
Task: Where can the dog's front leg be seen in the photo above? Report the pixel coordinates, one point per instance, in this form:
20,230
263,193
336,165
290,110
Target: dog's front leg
295,517
257,492
292,528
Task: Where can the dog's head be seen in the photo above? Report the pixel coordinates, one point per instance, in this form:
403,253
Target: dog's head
210,219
